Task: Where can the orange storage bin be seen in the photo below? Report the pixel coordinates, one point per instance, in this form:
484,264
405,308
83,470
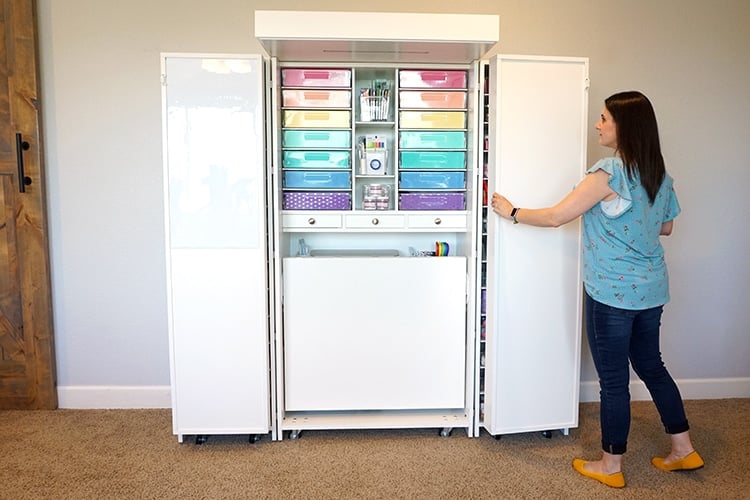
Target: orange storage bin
432,99
316,98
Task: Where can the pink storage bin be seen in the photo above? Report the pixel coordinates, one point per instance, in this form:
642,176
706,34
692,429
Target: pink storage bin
432,99
316,98
432,78
316,77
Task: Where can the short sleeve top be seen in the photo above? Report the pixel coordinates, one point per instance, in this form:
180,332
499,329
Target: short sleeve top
623,259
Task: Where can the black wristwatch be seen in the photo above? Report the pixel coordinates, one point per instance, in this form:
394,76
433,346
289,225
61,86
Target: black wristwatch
513,214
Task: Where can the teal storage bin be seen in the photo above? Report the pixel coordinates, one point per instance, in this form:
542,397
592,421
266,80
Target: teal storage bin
432,140
317,159
432,180
316,139
432,159
304,179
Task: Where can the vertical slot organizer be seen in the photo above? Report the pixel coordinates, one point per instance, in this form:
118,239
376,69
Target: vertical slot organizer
485,213
316,138
374,90
432,164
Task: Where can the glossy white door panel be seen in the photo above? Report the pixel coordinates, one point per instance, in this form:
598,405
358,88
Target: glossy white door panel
216,243
538,117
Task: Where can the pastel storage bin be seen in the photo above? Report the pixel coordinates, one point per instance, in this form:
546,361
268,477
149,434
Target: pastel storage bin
432,119
315,77
432,99
303,179
315,118
431,201
436,79
316,98
432,159
316,138
311,200
317,159
432,180
432,140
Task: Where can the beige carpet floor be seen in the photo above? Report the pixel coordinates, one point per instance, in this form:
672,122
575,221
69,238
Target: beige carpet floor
132,454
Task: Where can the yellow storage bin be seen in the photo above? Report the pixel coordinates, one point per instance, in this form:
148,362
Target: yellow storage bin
316,118
432,119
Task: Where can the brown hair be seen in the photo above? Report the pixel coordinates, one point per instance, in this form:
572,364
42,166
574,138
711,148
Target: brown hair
638,138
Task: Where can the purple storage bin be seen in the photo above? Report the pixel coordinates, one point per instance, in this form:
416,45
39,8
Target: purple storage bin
312,200
484,304
431,201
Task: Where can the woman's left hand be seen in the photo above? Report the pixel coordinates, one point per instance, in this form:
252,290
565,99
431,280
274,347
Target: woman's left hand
501,206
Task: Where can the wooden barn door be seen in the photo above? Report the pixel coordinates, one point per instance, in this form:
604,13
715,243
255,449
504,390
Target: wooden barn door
27,361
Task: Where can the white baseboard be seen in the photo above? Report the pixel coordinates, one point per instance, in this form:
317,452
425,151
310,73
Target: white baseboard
698,388
130,397
114,397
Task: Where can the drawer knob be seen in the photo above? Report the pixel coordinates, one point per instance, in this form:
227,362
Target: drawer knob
437,221
311,220
375,221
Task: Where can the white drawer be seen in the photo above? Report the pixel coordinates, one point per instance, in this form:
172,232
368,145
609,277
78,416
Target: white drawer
437,221
375,221
311,221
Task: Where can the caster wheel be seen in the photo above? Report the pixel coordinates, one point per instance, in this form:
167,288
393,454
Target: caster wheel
445,432
547,434
201,438
254,438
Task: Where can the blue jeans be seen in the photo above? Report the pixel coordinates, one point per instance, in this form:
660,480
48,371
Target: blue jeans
616,336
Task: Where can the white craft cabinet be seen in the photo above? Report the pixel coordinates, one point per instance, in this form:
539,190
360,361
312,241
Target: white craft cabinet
370,332
289,317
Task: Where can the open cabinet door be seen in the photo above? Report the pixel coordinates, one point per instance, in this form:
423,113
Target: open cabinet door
537,132
216,227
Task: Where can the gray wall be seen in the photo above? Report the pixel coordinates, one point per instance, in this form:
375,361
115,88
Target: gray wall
101,101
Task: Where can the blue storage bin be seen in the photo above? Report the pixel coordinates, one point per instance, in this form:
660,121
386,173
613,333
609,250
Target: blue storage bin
432,159
317,159
309,179
316,138
432,180
439,139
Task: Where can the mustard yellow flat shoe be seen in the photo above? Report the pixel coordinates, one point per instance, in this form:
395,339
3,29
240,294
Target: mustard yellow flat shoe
691,461
616,480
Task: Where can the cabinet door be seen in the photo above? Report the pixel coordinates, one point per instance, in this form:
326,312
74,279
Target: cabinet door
216,244
537,131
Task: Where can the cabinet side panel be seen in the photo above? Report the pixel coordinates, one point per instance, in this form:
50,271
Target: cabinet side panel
220,343
537,126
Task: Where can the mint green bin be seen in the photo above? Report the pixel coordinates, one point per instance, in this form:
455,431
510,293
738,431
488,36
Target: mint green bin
441,139
433,159
317,159
316,139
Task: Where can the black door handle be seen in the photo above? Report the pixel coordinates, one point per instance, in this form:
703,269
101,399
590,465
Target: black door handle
21,146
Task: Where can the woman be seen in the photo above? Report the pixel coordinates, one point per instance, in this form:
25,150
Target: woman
627,202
